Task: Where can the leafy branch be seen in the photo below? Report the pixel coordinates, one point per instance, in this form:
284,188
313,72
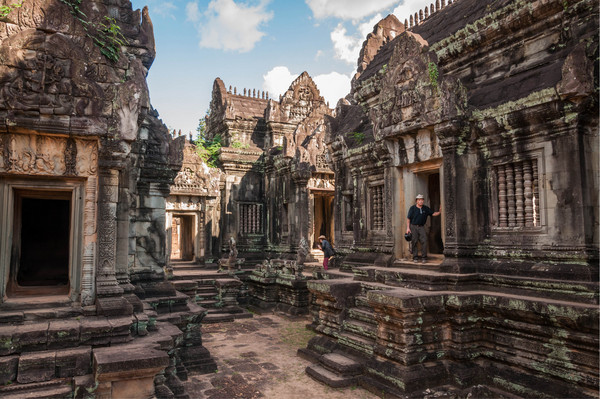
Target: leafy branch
6,10
208,150
357,136
106,35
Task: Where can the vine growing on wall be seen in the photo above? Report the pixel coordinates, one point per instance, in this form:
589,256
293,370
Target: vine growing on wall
357,136
207,149
107,35
433,75
6,10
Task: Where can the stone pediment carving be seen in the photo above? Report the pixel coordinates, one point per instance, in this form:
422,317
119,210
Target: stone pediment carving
61,77
414,95
300,101
195,177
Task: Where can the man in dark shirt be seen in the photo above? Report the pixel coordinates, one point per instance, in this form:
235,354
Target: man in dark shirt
415,224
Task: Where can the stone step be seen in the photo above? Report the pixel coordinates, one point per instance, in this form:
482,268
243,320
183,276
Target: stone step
340,364
360,328
360,343
329,378
363,314
208,303
213,318
360,301
60,388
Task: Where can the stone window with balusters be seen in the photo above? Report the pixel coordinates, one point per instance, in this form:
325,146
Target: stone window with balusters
518,195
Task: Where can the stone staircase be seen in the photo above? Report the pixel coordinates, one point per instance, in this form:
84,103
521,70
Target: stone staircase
390,320
335,370
215,291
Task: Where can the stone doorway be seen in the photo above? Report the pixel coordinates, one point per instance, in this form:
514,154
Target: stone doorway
182,237
41,244
323,217
428,184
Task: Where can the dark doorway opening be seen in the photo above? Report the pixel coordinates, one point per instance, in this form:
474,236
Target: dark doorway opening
323,218
41,244
182,237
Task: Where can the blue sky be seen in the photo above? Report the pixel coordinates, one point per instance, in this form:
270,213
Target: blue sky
256,44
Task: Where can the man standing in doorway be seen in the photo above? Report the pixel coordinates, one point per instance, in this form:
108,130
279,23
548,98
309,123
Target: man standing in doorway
415,224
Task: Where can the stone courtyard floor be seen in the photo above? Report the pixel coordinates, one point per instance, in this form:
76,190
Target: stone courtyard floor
257,358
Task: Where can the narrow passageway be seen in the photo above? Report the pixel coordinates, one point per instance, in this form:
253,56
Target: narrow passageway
257,358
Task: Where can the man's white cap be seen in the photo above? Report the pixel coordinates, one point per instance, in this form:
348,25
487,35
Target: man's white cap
420,196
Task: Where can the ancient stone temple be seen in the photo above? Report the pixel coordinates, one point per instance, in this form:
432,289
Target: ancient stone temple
85,167
489,110
278,186
196,192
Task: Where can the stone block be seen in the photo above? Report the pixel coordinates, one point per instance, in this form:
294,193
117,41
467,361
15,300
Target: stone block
36,367
11,317
31,337
128,371
63,334
7,345
95,331
8,369
83,386
74,362
141,324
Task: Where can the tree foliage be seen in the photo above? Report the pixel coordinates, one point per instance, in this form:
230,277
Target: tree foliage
207,148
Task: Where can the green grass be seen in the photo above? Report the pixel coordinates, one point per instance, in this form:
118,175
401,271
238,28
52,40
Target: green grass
296,334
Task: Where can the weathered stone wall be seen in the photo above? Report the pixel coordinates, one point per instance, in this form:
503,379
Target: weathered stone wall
76,124
273,158
500,101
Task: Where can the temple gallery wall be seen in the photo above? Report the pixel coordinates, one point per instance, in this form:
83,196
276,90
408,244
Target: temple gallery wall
119,241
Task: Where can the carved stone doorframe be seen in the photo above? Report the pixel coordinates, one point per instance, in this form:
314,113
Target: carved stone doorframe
71,188
409,185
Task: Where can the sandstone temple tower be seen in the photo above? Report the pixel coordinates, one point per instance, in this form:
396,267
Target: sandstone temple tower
85,167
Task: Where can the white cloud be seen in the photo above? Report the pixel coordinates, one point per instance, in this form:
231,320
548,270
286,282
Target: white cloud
192,12
346,47
347,9
229,25
332,86
277,81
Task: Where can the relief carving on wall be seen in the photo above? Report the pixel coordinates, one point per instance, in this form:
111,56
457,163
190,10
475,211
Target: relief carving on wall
195,177
48,155
322,181
414,94
301,101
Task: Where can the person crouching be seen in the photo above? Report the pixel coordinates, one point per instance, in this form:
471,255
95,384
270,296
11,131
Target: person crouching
327,249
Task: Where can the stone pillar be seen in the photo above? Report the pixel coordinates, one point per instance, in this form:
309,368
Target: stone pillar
110,300
448,142
300,177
